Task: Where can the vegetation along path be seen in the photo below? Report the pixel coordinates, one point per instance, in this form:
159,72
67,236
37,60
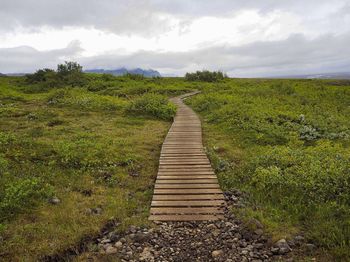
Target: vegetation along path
186,187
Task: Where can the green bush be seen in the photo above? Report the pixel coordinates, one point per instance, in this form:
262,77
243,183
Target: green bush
153,105
69,73
22,195
205,76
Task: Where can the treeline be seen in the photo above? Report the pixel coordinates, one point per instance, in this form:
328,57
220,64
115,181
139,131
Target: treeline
206,76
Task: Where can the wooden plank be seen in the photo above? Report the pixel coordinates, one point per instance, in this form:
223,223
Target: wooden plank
184,186
187,181
186,210
193,166
189,197
187,203
185,217
189,177
188,191
183,162
185,173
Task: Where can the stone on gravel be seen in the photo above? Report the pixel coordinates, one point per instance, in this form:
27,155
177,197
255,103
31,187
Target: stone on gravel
146,254
283,246
118,244
111,250
216,253
141,237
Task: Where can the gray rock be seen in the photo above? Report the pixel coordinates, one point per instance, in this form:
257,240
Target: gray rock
259,232
310,247
113,236
275,250
283,246
141,237
123,240
55,200
244,252
299,238
105,241
211,227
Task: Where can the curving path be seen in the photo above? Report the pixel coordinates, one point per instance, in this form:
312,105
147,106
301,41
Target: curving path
186,188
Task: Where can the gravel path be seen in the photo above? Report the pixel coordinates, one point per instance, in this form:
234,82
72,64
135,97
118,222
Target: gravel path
225,240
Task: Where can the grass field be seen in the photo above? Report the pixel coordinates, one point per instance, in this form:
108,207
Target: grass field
96,151
96,147
285,143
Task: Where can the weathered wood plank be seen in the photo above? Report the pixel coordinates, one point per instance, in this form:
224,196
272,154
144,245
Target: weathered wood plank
188,191
185,186
187,181
185,217
189,197
189,177
187,203
185,210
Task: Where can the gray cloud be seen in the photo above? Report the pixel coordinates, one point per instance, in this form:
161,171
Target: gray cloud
122,17
329,20
145,17
26,59
296,55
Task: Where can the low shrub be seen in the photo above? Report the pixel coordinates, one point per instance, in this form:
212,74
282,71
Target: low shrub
80,98
153,105
22,195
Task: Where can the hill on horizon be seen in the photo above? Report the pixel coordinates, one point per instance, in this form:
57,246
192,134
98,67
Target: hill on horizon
123,71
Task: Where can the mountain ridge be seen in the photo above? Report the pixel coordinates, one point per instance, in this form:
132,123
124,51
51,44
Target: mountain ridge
123,71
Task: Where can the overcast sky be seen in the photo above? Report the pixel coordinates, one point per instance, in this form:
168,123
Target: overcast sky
241,37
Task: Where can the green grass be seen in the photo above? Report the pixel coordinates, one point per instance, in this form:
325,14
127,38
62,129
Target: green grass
83,147
286,143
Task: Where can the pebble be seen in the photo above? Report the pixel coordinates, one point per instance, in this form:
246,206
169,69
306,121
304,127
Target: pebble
118,244
111,250
216,253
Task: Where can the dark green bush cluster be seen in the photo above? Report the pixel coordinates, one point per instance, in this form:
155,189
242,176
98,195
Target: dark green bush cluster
67,74
153,105
205,76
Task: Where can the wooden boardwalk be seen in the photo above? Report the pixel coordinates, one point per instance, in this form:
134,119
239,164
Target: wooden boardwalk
186,188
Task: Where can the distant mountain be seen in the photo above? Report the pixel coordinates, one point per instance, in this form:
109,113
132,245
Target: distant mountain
2,75
342,75
123,71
